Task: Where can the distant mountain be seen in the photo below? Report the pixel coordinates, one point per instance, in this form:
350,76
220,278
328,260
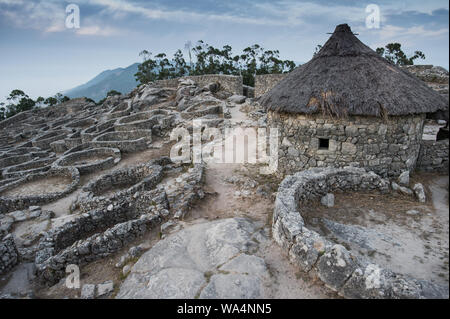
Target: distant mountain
120,79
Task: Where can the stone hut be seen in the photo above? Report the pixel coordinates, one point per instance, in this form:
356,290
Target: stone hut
350,106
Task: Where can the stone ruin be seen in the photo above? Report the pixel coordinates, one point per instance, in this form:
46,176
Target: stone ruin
45,152
77,150
338,268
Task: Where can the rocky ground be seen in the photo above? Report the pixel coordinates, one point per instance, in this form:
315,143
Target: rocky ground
210,233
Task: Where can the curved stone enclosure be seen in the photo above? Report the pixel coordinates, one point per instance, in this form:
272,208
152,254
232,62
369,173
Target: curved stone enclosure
72,140
123,109
82,123
350,276
125,141
44,140
93,131
31,167
137,121
121,183
11,203
80,160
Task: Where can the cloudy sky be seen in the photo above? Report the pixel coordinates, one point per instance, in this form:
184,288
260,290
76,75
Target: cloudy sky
41,56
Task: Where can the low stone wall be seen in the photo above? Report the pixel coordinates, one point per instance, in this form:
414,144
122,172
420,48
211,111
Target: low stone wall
123,109
13,120
435,77
44,140
98,246
125,141
265,82
31,167
433,156
8,204
92,132
136,121
191,112
138,178
9,256
230,83
341,271
71,159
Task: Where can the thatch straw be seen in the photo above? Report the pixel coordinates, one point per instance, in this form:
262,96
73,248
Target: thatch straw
347,77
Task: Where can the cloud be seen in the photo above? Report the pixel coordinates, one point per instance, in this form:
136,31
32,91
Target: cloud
44,16
95,30
389,33
121,7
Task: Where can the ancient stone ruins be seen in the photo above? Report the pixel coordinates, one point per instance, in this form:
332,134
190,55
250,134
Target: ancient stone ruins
95,204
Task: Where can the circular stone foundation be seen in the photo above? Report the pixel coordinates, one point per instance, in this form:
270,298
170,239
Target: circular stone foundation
351,276
125,181
38,189
91,160
44,141
93,131
14,160
31,167
123,109
126,141
81,124
137,121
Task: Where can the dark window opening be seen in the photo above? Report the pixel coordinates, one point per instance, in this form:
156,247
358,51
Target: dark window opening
324,143
442,134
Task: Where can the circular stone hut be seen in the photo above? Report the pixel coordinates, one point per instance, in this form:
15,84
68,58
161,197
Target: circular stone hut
350,106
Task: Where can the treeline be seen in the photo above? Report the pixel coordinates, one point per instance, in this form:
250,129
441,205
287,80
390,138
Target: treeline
393,53
253,60
18,102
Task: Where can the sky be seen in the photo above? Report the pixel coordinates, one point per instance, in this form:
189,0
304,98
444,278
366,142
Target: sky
42,56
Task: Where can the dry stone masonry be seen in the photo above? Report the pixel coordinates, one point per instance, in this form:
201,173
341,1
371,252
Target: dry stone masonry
387,148
350,276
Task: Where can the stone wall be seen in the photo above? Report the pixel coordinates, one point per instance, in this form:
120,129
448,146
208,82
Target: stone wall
98,246
8,204
338,268
387,147
230,83
433,156
265,82
435,77
9,256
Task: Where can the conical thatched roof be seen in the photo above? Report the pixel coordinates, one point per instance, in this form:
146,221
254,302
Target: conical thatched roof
346,77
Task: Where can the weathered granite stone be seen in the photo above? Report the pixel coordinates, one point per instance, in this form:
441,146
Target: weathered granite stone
327,200
420,192
403,179
88,291
209,260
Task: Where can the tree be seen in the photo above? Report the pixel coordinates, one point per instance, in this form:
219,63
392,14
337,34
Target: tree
211,60
2,111
393,53
18,102
39,101
50,101
112,93
65,98
146,70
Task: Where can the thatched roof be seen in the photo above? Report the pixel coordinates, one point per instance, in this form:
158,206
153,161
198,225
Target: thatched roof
347,77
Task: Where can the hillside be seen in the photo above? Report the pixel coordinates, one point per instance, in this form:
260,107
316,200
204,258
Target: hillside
120,79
